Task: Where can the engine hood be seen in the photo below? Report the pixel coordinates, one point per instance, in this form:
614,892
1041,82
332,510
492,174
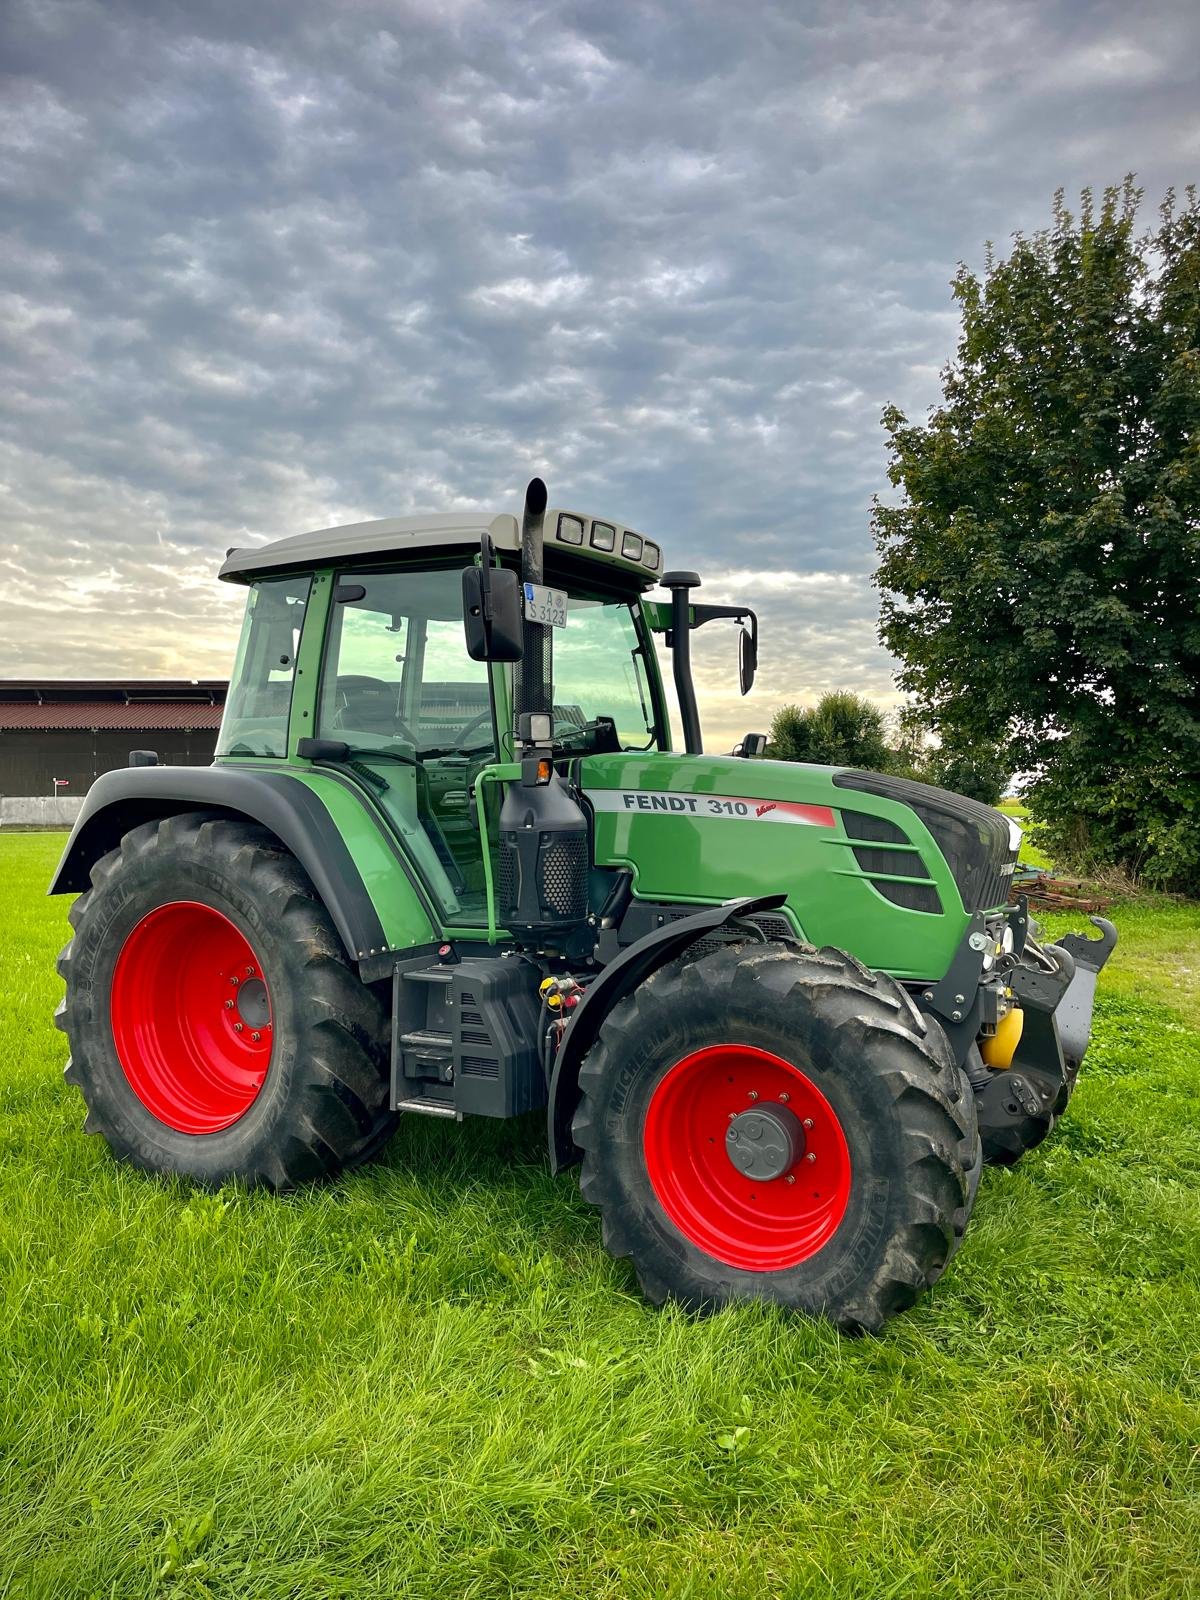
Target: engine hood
860,869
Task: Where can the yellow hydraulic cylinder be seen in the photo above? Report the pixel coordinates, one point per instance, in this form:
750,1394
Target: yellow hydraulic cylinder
999,1050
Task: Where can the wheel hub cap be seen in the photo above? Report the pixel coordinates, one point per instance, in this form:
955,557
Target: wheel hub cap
765,1142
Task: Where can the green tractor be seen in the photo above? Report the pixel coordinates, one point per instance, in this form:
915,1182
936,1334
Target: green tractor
446,863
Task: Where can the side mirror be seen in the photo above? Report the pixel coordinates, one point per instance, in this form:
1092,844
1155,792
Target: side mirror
752,745
747,661
492,613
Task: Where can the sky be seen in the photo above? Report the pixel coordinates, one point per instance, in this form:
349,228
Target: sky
275,266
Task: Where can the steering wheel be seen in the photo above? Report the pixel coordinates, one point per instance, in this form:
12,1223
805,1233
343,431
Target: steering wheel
484,716
359,680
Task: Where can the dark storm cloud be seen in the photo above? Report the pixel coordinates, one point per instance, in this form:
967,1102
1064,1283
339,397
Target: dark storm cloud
274,266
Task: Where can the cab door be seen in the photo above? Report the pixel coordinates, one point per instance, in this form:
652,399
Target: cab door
398,687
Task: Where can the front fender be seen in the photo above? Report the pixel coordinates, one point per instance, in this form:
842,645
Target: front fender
617,979
290,809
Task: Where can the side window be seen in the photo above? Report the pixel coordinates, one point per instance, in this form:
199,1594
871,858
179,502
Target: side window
255,722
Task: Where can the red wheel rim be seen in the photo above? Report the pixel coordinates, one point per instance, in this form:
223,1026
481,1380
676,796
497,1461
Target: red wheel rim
759,1225
191,1017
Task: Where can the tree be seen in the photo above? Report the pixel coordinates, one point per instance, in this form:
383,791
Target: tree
841,730
978,771
1041,573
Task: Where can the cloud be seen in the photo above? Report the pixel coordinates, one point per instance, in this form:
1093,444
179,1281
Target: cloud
279,266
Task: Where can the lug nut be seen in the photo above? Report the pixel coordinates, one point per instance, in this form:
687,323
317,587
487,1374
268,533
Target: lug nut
249,972
237,1027
791,1178
807,1123
235,979
784,1098
256,1036
229,1005
810,1156
754,1094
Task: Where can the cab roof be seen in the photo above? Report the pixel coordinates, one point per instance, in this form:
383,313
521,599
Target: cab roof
568,534
371,541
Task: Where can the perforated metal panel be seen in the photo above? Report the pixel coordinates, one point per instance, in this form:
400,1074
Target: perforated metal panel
564,878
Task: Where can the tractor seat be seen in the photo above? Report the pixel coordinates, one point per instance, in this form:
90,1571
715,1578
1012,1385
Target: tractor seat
367,707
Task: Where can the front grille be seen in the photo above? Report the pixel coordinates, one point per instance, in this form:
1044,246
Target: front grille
876,858
973,838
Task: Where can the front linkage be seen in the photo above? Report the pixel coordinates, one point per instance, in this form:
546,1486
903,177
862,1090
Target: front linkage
1018,1016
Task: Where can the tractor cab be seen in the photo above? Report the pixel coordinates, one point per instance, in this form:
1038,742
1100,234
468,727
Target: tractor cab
353,657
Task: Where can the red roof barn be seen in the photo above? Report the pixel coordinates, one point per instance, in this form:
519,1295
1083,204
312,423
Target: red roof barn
77,728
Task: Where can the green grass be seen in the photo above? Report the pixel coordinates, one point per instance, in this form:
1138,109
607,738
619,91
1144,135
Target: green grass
429,1380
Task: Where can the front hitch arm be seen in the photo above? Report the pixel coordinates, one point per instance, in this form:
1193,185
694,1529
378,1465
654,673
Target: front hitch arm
1074,1011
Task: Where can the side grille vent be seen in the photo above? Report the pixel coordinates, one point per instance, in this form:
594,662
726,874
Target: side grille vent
480,1067
972,837
473,1030
876,858
644,916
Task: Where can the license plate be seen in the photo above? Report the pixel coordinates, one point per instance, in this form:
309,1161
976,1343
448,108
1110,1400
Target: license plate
546,605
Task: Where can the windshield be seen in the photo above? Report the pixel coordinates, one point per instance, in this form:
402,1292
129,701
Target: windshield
600,671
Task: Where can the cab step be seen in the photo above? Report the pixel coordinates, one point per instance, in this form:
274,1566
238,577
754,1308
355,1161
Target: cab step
429,1108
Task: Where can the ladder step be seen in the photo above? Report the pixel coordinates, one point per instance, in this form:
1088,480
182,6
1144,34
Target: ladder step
429,1108
427,1039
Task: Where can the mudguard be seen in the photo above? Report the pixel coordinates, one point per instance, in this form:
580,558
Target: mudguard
615,981
120,800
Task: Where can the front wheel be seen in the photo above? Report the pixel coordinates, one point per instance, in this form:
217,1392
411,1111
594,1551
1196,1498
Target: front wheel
781,1124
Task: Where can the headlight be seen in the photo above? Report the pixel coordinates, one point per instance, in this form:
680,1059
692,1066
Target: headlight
570,529
631,546
604,536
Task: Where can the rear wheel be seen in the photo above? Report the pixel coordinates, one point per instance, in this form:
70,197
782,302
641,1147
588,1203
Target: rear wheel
216,1028
780,1124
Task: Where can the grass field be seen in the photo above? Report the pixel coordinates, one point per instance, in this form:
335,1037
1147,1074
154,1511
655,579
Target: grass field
429,1380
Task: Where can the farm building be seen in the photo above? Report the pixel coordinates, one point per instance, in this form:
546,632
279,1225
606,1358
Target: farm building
77,728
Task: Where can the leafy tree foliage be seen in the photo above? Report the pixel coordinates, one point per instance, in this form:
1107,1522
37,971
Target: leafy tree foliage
975,770
1041,573
841,730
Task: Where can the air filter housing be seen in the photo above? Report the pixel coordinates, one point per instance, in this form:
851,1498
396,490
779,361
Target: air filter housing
544,858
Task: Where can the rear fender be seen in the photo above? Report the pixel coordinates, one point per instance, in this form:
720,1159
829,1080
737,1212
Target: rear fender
618,978
123,799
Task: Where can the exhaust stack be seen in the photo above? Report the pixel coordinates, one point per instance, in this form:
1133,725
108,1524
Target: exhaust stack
544,853
535,673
